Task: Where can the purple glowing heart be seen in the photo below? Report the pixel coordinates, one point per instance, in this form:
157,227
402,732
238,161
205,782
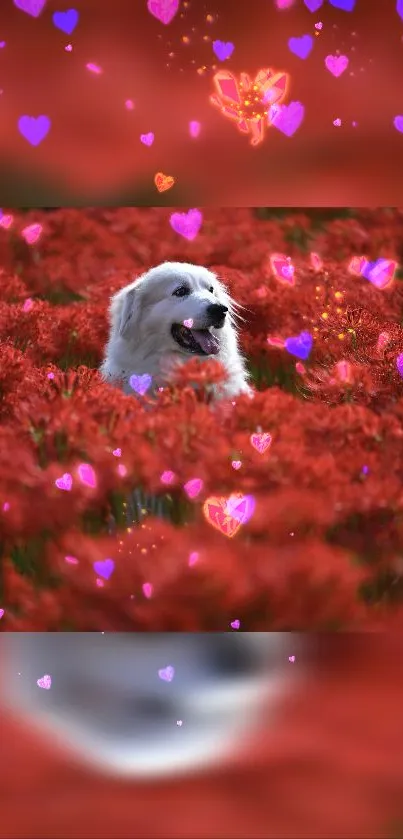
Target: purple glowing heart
313,5
398,121
166,673
235,624
241,509
399,8
140,383
287,118
104,568
299,345
344,5
34,129
31,7
187,224
399,364
301,46
368,269
66,21
223,49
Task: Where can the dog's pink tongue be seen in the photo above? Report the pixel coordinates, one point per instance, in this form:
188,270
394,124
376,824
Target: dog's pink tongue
208,342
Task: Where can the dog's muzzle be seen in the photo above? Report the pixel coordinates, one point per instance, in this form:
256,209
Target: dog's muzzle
201,341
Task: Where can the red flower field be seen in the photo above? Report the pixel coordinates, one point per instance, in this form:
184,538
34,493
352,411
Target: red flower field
323,548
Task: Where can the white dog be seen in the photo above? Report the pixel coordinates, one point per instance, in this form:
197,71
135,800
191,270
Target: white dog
171,313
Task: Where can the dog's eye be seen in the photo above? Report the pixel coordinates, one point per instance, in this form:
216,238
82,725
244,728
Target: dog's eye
182,291
211,290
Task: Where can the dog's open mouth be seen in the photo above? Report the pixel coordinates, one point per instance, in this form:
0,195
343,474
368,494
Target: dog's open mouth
198,341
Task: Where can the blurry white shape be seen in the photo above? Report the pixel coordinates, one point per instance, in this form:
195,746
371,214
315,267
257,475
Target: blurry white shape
109,708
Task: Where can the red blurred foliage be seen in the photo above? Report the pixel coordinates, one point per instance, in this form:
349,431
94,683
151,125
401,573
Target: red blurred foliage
324,546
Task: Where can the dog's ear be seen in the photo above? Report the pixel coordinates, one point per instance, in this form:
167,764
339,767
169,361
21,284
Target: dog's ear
124,311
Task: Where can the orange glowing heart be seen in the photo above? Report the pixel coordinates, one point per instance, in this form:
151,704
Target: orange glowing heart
216,513
163,182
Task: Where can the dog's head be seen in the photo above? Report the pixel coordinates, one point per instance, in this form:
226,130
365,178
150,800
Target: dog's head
176,308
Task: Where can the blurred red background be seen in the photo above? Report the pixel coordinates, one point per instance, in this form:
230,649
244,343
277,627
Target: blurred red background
331,767
93,151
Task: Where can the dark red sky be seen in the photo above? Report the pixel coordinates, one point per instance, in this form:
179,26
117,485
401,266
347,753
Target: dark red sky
93,152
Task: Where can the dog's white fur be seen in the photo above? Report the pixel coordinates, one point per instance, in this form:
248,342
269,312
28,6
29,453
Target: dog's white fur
142,314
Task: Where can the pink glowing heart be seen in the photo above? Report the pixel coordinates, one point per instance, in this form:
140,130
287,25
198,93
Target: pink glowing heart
147,139
194,128
45,682
193,487
163,10
187,224
316,262
32,233
235,624
336,64
87,475
261,442
65,482
167,477
6,221
147,590
94,68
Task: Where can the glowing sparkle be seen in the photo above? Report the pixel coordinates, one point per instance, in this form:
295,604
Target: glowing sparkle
94,68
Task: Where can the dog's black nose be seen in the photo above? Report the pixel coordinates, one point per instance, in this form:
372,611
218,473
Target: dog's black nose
217,311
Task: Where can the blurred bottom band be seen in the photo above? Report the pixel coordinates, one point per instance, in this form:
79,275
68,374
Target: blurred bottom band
195,736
